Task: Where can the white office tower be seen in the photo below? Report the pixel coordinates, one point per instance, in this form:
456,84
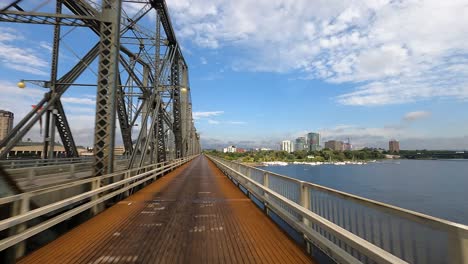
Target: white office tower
287,145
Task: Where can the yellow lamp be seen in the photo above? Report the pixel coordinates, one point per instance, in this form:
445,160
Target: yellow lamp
21,84
183,89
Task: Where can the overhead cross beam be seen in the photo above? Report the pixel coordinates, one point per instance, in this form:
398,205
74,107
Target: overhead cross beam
45,18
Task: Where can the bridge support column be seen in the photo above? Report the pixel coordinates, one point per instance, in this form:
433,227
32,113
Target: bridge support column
177,105
107,87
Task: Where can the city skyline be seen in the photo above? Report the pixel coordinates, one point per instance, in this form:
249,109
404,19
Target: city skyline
352,70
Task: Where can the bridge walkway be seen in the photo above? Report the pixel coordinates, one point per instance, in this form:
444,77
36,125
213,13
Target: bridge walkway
195,214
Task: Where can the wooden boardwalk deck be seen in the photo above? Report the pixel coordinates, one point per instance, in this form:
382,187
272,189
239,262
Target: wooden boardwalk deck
192,215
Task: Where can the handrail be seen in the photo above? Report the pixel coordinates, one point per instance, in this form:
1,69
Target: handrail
30,178
62,186
324,215
131,178
413,215
25,163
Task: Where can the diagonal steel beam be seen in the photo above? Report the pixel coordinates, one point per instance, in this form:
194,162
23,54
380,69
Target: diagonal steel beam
64,130
125,127
46,103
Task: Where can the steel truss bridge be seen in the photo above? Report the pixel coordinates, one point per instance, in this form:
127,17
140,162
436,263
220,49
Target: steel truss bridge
141,76
163,202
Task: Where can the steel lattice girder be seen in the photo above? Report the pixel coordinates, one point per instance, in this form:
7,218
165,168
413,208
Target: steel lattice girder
172,60
107,88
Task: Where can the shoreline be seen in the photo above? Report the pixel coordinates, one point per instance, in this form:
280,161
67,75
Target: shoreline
311,163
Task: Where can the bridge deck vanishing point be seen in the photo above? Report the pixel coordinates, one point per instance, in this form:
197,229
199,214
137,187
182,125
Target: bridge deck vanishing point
194,214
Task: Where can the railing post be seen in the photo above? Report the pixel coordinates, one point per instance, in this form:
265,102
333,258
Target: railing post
72,171
266,184
305,202
95,184
31,177
248,174
458,246
126,176
22,207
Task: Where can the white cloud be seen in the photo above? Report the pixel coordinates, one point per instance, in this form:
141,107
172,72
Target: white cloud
78,100
18,101
416,115
392,52
236,122
198,115
45,46
213,122
17,57
217,122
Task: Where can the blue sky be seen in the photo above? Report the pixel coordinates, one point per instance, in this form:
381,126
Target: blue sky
265,71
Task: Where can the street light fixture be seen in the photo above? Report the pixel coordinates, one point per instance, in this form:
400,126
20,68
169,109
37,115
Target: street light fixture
46,84
21,85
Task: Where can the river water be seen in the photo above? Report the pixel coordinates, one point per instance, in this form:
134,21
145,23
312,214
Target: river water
434,187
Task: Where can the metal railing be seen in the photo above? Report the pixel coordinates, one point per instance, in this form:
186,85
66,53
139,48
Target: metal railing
29,177
349,228
23,163
100,189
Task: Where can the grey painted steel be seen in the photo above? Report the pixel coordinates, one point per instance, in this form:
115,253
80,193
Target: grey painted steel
155,82
411,236
104,130
44,18
64,130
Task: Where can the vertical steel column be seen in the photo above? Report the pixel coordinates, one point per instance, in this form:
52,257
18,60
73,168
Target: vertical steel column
158,147
49,133
145,114
104,132
53,114
184,108
160,136
45,149
176,109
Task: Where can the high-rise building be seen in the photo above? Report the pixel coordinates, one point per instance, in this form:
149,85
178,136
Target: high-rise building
6,123
287,145
301,144
230,149
334,145
394,146
313,141
347,146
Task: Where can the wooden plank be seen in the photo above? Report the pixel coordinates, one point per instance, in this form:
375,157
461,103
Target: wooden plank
206,219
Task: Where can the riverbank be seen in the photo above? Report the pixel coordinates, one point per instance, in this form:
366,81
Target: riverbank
318,163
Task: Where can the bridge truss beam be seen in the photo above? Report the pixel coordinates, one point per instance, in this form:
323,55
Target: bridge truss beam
142,79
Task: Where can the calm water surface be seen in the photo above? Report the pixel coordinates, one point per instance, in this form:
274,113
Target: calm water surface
434,187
